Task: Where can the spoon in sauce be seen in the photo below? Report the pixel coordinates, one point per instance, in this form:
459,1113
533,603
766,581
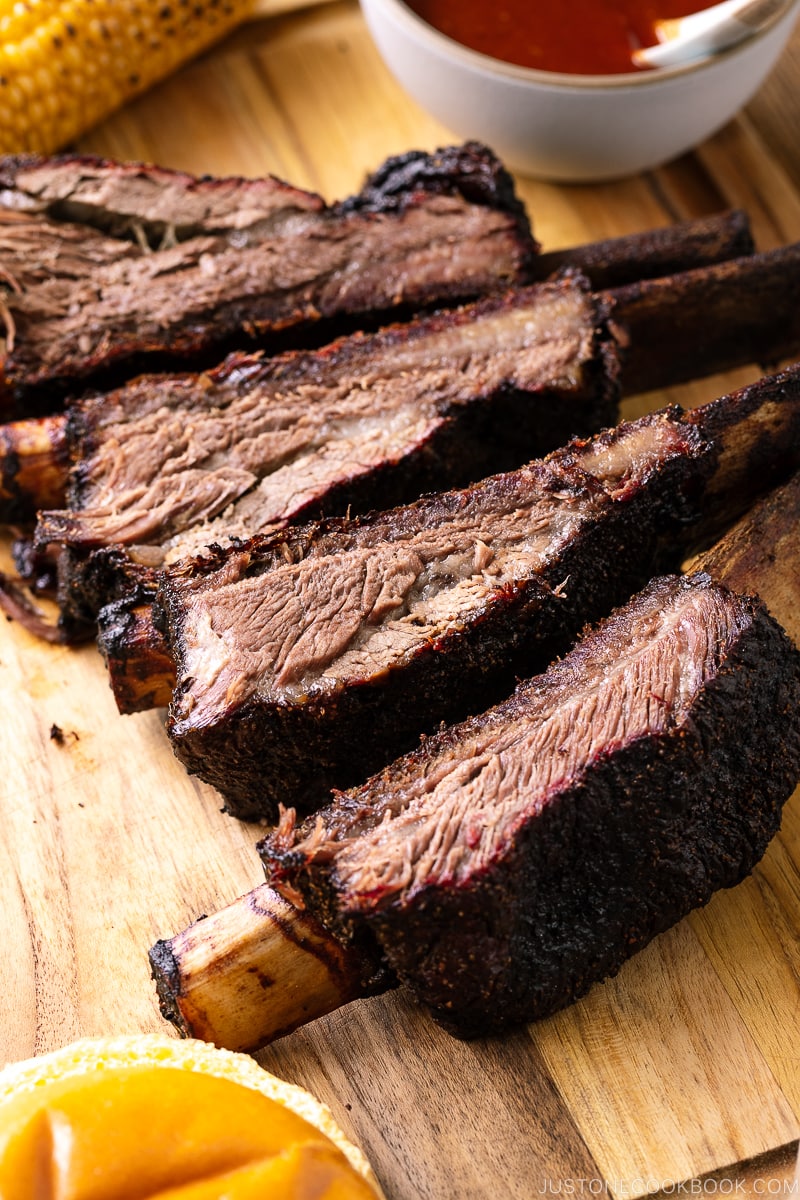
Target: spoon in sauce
702,34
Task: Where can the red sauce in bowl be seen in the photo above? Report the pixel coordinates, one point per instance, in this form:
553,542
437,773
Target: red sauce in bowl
579,37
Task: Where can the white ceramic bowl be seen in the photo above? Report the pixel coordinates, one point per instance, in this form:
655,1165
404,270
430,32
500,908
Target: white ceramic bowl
571,127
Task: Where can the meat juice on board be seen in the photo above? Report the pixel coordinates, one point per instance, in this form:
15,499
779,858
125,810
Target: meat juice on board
580,37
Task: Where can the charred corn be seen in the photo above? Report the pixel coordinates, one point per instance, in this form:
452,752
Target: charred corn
65,64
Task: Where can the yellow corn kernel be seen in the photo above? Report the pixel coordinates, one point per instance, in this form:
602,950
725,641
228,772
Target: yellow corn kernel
66,64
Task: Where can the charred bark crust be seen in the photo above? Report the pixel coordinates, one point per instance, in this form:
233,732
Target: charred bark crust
664,251
86,583
703,312
470,170
137,655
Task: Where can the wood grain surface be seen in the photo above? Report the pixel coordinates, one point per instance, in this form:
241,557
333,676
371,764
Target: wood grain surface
684,1067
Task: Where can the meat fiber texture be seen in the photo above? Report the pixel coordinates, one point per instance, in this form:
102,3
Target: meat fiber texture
111,268
516,859
309,659
168,465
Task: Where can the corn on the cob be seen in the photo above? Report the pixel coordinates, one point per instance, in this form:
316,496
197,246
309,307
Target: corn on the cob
65,64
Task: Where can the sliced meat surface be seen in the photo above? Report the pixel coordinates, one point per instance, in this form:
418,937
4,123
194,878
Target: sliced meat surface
169,465
255,444
120,198
156,265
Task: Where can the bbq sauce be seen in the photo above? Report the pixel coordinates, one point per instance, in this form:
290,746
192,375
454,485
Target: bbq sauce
582,37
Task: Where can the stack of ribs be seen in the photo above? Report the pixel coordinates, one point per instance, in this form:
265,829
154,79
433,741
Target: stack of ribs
513,860
110,269
308,658
113,269
158,470
167,465
551,836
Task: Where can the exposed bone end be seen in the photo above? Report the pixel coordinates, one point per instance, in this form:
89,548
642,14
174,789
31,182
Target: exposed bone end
255,971
762,554
756,433
34,460
756,319
614,262
141,667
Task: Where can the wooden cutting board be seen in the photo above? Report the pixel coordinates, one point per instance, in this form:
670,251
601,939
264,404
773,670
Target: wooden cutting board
684,1066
